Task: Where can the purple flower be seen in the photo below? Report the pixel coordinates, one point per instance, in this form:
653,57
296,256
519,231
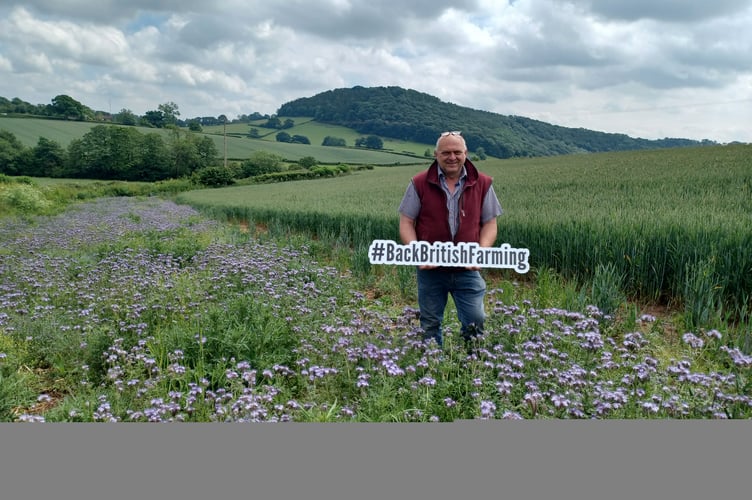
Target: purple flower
693,341
714,334
487,409
560,401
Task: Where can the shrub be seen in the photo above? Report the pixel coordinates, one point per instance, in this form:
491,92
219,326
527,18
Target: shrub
261,163
308,162
214,176
24,198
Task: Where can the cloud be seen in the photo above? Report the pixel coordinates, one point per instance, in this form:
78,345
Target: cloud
671,11
537,58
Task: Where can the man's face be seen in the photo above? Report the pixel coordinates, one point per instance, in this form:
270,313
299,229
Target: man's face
450,154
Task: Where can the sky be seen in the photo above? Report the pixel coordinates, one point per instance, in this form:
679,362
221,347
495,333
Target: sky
645,68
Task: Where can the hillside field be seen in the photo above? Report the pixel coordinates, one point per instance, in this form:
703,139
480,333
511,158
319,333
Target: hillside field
29,130
316,132
671,226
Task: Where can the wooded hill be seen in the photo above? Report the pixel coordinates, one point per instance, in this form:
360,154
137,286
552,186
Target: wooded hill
414,116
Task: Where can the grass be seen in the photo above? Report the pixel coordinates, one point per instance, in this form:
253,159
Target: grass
139,309
650,218
316,132
29,130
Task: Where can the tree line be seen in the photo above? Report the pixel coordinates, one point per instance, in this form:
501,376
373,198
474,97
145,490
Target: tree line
110,153
167,114
414,116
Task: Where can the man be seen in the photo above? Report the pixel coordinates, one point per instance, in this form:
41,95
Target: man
451,201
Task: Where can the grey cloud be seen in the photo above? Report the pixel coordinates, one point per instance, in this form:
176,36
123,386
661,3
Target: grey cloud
678,11
106,11
361,19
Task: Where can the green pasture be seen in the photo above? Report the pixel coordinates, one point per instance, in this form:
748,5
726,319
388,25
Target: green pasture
316,132
669,225
29,130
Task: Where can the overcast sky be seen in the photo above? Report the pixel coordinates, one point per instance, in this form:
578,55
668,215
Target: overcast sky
647,68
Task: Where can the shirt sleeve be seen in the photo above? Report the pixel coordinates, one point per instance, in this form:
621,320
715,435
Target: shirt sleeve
491,206
410,205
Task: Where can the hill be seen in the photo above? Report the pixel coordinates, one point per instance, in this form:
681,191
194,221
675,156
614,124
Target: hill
239,146
413,116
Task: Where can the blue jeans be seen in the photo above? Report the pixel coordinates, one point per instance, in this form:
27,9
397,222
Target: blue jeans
467,288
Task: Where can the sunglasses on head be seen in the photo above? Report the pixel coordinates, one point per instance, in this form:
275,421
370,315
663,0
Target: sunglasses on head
454,132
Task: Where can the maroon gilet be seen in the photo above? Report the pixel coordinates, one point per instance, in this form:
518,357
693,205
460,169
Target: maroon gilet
432,223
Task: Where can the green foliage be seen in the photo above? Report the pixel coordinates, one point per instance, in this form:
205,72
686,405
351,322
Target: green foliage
65,106
299,139
23,199
273,122
169,112
195,322
214,176
415,116
308,162
11,154
299,175
260,163
702,293
619,221
123,153
283,137
125,117
607,288
47,159
334,141
370,142
28,131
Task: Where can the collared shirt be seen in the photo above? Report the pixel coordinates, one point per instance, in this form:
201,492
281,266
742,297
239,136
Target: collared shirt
410,205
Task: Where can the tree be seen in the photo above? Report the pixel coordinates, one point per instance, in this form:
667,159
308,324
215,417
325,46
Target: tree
254,133
67,107
308,162
213,176
11,150
105,152
125,117
333,141
154,119
47,159
273,122
194,125
170,112
154,160
206,149
300,139
289,123
370,142
261,162
283,137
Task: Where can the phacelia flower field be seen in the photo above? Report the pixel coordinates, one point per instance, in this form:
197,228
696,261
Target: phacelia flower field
142,310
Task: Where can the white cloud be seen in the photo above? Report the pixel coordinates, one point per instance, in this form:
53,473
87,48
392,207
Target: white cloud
646,68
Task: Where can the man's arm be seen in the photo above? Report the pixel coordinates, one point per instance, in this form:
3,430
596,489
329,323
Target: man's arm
487,238
408,234
488,233
407,229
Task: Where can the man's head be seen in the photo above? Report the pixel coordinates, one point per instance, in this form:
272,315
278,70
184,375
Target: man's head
450,153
